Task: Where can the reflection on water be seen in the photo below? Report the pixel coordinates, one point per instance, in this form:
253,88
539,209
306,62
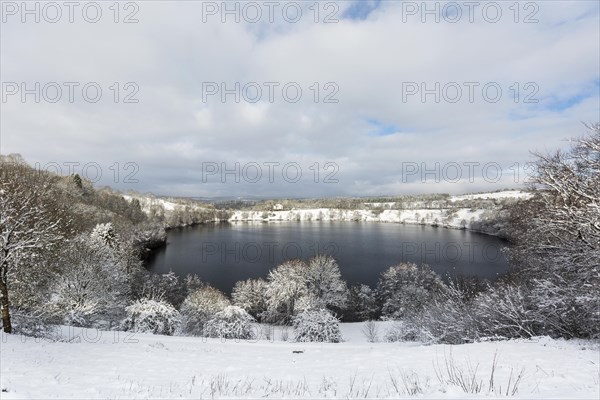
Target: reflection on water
223,254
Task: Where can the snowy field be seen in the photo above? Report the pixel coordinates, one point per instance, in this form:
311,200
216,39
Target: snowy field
97,364
506,194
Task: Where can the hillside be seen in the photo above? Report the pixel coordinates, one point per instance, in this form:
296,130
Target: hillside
482,212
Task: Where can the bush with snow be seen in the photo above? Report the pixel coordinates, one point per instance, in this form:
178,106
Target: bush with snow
402,331
408,289
325,284
450,318
151,316
296,286
231,323
104,234
250,295
89,283
167,287
286,286
317,326
505,311
199,308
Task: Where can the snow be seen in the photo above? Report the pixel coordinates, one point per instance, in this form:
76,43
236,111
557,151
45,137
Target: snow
414,213
514,194
102,364
147,203
438,213
444,217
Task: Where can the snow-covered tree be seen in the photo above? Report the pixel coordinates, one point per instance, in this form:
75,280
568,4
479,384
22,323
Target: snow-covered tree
316,326
325,283
556,237
286,286
151,316
104,234
32,224
87,283
231,323
407,289
199,307
166,287
250,295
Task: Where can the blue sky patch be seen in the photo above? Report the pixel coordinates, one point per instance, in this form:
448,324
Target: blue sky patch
378,128
360,10
558,104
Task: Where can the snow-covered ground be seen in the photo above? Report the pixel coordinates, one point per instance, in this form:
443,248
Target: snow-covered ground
146,203
506,194
121,365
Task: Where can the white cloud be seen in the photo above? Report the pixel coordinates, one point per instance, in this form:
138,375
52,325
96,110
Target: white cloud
171,132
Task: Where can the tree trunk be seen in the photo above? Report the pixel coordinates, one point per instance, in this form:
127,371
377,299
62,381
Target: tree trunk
5,311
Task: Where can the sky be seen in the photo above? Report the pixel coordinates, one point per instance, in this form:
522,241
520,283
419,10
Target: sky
297,99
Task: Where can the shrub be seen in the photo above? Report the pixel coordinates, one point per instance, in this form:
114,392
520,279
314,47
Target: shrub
450,318
250,295
231,323
199,307
505,311
286,287
166,287
325,284
90,282
370,331
408,289
317,326
407,332
151,316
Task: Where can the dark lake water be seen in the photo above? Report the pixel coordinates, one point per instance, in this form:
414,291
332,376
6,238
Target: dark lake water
225,253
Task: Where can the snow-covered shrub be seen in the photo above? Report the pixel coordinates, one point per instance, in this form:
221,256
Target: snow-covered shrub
317,326
325,284
167,287
286,286
402,331
450,318
250,295
296,286
104,234
407,289
231,323
199,307
371,331
34,327
89,282
151,316
505,310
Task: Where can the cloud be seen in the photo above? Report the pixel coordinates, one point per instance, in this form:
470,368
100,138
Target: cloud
379,88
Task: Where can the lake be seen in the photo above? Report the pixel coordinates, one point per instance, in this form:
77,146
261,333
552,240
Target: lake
222,254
